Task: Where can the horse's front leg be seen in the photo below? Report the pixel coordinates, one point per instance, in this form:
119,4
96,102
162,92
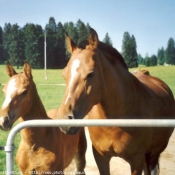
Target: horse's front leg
79,157
154,171
102,162
137,164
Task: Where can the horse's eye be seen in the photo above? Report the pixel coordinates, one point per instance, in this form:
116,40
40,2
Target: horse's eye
24,92
90,75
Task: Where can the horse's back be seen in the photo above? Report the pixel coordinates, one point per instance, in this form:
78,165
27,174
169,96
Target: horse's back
154,83
163,94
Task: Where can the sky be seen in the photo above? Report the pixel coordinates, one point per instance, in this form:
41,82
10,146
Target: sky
152,22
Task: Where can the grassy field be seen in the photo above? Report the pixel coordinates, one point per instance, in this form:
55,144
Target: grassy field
51,92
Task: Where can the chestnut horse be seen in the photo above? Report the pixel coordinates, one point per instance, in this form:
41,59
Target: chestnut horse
99,84
139,71
41,150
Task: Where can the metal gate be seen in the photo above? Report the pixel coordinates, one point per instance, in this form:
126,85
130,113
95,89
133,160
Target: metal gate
9,148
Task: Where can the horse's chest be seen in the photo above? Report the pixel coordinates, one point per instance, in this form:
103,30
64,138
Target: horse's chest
36,158
41,156
112,142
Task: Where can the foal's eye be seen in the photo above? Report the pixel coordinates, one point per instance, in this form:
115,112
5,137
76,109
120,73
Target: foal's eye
24,92
90,75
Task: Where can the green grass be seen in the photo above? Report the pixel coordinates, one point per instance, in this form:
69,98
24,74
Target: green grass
51,95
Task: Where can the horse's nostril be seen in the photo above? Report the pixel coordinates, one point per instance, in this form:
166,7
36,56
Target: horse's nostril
6,120
70,117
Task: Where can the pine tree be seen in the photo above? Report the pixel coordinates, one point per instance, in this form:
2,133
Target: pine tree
88,29
61,46
81,30
126,47
6,41
140,59
129,50
134,58
107,40
34,44
170,52
147,60
72,32
52,43
16,45
153,60
52,24
161,56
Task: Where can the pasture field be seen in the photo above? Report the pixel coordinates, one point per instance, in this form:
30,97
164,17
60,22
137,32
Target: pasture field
51,92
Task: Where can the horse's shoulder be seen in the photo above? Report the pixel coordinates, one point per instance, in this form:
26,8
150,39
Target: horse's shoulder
52,113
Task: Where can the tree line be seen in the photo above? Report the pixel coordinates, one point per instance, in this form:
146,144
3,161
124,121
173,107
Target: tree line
165,56
132,58
27,43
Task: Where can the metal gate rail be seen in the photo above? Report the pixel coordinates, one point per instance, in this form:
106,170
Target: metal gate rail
9,148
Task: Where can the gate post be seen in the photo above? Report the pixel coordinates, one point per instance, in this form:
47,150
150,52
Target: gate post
9,159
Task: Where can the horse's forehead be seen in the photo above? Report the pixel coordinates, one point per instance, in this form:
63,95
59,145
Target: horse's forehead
11,86
75,65
84,59
17,81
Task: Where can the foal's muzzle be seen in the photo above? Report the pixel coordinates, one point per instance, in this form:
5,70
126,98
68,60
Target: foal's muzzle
5,123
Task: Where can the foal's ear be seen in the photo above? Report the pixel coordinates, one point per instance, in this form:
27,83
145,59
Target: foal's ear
71,46
27,69
93,38
10,70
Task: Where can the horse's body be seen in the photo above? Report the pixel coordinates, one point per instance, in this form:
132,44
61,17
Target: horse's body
41,150
139,71
100,85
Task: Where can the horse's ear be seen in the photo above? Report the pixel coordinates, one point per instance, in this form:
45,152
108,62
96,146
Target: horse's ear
93,38
27,69
71,46
10,70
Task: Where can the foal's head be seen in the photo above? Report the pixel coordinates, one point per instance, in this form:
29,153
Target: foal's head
17,92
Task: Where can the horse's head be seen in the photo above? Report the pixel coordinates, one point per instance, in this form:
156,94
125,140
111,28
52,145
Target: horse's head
17,96
84,79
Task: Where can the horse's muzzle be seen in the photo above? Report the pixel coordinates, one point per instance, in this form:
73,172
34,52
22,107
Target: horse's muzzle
5,123
70,130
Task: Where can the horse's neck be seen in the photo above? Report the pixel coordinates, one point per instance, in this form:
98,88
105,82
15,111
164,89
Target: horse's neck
119,87
37,111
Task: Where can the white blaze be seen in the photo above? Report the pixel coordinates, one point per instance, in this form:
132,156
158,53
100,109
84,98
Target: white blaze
74,67
10,90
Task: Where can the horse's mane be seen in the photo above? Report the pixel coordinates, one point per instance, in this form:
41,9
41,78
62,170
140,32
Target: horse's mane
108,49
